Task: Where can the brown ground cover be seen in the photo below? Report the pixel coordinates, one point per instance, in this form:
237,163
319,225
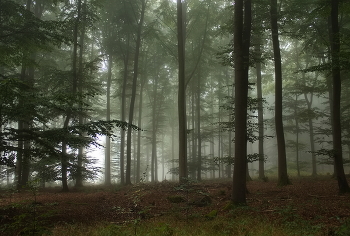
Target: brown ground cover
311,199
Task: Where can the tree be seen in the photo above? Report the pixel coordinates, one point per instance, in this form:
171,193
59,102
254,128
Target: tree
242,28
108,118
336,78
64,155
181,94
283,178
260,111
133,95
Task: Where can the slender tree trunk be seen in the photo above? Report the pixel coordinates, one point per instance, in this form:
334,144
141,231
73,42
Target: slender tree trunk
108,118
296,118
172,151
123,108
183,175
133,95
18,172
311,136
79,177
229,91
147,161
283,178
193,150
199,145
163,161
212,151
139,123
260,112
219,133
155,118
337,145
242,28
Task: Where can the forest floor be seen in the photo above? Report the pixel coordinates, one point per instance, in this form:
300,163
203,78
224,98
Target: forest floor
311,200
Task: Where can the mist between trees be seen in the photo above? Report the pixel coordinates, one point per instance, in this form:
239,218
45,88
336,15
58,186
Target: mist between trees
169,90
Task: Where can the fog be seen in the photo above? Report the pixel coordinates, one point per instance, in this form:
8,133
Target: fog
91,93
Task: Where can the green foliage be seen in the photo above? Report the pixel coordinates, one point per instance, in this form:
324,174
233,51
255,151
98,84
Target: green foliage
343,230
211,215
176,199
252,122
21,32
221,226
28,217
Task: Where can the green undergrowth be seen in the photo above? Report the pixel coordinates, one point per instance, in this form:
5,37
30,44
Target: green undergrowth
202,226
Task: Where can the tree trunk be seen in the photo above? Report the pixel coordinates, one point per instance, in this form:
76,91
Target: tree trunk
199,144
296,117
260,112
283,178
108,118
311,136
133,95
229,165
242,28
337,145
183,175
154,164
139,123
79,176
123,105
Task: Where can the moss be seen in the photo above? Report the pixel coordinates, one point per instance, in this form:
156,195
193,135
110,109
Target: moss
176,199
211,215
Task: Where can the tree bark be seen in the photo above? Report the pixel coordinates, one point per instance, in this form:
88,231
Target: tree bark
139,123
260,112
183,175
108,118
242,28
79,176
199,144
283,178
296,117
337,145
123,107
133,95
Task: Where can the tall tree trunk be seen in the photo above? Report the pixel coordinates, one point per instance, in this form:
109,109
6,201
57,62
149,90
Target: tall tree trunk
311,136
337,145
183,175
108,118
79,176
199,144
296,118
155,117
281,146
123,108
133,95
172,151
193,151
18,172
229,91
219,133
139,123
242,28
260,112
